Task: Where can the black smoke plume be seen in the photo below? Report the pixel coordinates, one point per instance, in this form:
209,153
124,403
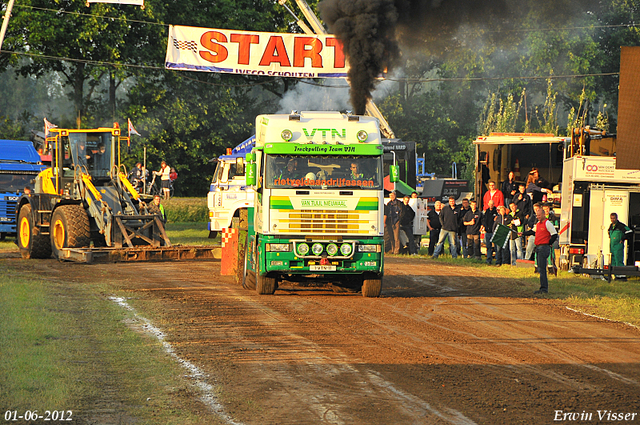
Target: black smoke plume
373,30
367,31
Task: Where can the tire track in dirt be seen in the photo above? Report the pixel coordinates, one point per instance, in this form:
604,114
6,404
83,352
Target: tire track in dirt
442,345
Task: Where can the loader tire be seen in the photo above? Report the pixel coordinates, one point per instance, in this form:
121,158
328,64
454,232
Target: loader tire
371,288
69,229
31,243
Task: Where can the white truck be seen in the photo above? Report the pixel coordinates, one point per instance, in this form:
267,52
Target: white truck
592,189
228,192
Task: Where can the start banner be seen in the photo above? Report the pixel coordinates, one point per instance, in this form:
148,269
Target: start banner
255,53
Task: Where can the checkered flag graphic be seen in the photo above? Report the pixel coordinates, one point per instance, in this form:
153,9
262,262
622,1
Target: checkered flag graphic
185,45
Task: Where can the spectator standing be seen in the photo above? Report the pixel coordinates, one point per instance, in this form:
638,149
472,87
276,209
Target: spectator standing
164,172
494,195
539,181
523,201
509,188
516,223
530,230
536,192
406,224
473,221
157,208
392,221
545,236
136,175
449,220
553,218
173,175
503,256
488,218
618,233
413,202
462,229
433,223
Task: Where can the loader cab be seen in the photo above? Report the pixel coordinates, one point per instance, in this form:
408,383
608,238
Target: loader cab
90,151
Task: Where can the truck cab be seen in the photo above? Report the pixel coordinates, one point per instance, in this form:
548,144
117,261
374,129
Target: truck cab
319,204
19,166
228,193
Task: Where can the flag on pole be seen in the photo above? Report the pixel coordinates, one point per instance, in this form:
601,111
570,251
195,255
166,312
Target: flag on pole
131,129
501,235
47,126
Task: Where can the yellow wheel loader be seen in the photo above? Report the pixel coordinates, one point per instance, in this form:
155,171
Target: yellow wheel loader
84,205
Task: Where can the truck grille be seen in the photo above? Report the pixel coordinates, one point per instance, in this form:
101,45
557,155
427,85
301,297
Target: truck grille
324,221
7,211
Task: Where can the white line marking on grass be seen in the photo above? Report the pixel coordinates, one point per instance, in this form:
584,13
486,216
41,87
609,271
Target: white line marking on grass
207,391
601,318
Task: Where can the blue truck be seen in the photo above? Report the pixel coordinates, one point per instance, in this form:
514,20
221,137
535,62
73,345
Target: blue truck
19,166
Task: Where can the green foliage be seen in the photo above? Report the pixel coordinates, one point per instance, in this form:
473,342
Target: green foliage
501,116
577,119
186,210
549,111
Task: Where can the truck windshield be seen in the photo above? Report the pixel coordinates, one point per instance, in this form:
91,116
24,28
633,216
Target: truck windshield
12,183
326,172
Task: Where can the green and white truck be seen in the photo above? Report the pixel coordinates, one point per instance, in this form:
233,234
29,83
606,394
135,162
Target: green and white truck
319,204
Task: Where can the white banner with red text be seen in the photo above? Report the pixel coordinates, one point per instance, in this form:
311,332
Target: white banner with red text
255,53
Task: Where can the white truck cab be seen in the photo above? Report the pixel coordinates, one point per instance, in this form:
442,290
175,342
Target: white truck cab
228,192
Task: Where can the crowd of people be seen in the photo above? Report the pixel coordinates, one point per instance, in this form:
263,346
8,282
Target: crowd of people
139,177
516,221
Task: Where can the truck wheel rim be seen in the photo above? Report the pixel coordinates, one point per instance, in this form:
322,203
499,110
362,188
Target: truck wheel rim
25,232
58,234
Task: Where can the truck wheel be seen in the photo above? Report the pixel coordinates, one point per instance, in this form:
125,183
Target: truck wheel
250,281
213,234
69,228
31,245
265,285
371,288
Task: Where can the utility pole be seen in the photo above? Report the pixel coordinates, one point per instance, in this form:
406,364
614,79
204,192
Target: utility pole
371,108
5,21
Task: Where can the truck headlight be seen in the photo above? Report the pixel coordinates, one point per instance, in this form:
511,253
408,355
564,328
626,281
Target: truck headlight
332,249
362,136
278,247
316,248
303,249
368,248
346,249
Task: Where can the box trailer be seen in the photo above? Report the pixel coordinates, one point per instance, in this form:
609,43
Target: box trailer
592,189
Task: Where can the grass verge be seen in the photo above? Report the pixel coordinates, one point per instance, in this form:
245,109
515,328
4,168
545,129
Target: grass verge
65,346
186,210
190,234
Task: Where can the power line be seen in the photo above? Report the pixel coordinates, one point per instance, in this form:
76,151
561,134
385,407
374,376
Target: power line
404,80
130,65
57,11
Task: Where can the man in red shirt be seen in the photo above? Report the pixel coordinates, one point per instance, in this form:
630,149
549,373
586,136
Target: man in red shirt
546,235
494,195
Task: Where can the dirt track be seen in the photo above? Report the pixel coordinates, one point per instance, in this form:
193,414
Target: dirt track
437,347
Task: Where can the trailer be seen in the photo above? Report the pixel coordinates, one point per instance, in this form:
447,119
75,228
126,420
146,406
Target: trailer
592,189
499,153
